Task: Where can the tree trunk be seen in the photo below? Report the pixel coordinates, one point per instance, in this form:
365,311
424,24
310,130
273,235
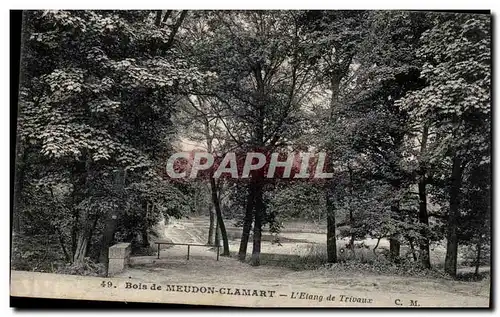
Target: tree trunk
376,246
394,248
158,17
81,226
19,176
217,232
351,214
80,240
331,240
211,226
145,237
166,16
91,232
67,257
450,264
112,218
423,216
424,220
257,178
412,248
478,257
175,28
257,228
247,223
81,247
331,236
74,235
220,221
394,243
213,218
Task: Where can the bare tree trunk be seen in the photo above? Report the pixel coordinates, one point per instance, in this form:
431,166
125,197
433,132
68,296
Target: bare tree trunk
394,248
331,240
424,220
217,232
215,191
394,243
422,213
144,229
247,223
74,233
220,221
412,248
82,237
158,17
166,16
258,202
91,232
351,215
62,243
19,176
478,257
175,28
376,246
331,236
81,247
145,237
450,264
257,229
81,228
211,226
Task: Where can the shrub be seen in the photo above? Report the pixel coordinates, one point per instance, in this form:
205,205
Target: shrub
385,267
469,255
361,259
86,268
40,253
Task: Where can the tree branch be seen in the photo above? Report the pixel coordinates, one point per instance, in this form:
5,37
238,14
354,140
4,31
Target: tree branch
175,28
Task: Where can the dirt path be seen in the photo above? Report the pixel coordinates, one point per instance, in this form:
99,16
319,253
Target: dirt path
202,267
230,272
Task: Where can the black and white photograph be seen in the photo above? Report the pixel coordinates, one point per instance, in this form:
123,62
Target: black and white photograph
254,158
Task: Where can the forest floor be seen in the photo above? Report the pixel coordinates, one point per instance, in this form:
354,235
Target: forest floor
202,267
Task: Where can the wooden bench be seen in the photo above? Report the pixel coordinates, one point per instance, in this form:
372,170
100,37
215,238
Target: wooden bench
189,245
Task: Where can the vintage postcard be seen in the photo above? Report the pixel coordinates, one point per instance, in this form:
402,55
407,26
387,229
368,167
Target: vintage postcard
293,158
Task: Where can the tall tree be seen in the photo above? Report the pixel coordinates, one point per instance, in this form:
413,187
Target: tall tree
339,34
204,125
95,86
386,68
263,79
456,102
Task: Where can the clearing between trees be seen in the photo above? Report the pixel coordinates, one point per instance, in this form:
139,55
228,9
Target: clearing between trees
280,266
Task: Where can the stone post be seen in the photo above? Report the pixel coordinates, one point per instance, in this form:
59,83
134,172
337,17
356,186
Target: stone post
119,255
